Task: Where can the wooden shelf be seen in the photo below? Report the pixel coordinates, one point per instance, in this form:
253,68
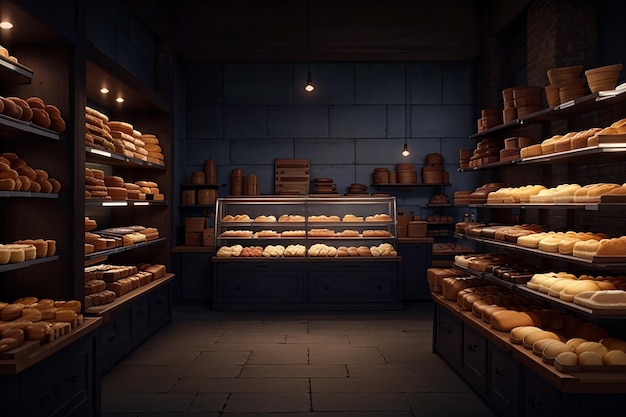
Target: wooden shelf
123,203
567,258
26,264
607,382
193,249
123,249
104,156
27,194
107,310
575,107
15,129
15,366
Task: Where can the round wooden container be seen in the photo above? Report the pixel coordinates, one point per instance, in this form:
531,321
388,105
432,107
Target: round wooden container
210,172
434,159
207,197
251,185
381,177
392,177
432,175
188,197
406,176
197,178
405,167
236,182
465,154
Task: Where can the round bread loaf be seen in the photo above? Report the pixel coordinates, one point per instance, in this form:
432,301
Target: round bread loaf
551,351
614,343
533,337
596,347
518,333
27,112
540,345
590,358
505,320
590,331
612,357
567,358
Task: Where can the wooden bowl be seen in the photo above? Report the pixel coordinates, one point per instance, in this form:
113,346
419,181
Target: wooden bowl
614,67
559,74
527,91
529,101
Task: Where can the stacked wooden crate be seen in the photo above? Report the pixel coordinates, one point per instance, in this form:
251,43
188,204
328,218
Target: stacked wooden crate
292,176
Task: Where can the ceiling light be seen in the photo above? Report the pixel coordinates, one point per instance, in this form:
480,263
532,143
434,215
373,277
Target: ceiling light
104,90
405,151
6,25
309,82
120,99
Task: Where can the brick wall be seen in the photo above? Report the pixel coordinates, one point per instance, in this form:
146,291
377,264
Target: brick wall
247,115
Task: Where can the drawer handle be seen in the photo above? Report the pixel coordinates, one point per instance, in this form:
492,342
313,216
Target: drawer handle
112,338
140,313
499,372
71,380
116,326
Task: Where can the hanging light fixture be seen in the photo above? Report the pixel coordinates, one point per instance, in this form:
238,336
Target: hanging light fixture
407,111
309,81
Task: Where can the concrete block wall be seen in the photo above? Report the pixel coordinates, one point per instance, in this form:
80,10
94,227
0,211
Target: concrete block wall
247,115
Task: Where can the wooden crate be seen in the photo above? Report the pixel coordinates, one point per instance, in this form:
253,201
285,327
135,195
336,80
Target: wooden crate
292,176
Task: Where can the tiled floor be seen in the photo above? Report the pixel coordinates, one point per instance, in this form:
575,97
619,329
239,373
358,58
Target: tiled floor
303,364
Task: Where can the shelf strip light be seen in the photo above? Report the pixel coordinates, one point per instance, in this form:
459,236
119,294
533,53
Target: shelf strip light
100,152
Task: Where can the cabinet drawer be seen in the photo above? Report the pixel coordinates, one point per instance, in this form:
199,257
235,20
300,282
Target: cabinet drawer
160,306
539,399
140,317
353,285
61,386
503,382
448,336
474,359
260,285
115,337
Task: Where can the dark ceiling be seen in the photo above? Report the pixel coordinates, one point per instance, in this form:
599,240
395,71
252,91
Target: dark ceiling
341,30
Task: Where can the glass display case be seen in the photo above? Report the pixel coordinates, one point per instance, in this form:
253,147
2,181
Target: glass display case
307,221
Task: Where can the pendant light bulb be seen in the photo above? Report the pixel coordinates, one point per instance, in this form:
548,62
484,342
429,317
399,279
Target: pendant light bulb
405,150
309,84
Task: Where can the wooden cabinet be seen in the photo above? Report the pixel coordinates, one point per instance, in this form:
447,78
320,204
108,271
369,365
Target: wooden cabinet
306,281
448,336
503,381
416,254
474,368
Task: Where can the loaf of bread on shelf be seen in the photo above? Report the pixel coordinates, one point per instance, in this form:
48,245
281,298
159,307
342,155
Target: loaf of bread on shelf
376,233
352,218
295,250
237,233
320,232
505,320
381,217
602,299
266,219
291,218
236,218
273,251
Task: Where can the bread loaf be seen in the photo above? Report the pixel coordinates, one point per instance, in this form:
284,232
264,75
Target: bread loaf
505,320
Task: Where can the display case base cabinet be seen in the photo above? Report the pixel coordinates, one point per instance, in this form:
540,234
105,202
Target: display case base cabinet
503,381
272,284
416,259
194,272
130,325
474,368
64,384
447,336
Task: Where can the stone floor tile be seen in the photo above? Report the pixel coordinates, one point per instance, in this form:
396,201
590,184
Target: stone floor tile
449,405
388,370
146,402
329,401
222,358
160,357
279,354
140,378
231,385
321,338
204,402
325,354
268,402
375,384
293,371
245,337
209,370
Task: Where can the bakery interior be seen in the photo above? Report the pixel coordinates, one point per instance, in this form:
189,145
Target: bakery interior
312,207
